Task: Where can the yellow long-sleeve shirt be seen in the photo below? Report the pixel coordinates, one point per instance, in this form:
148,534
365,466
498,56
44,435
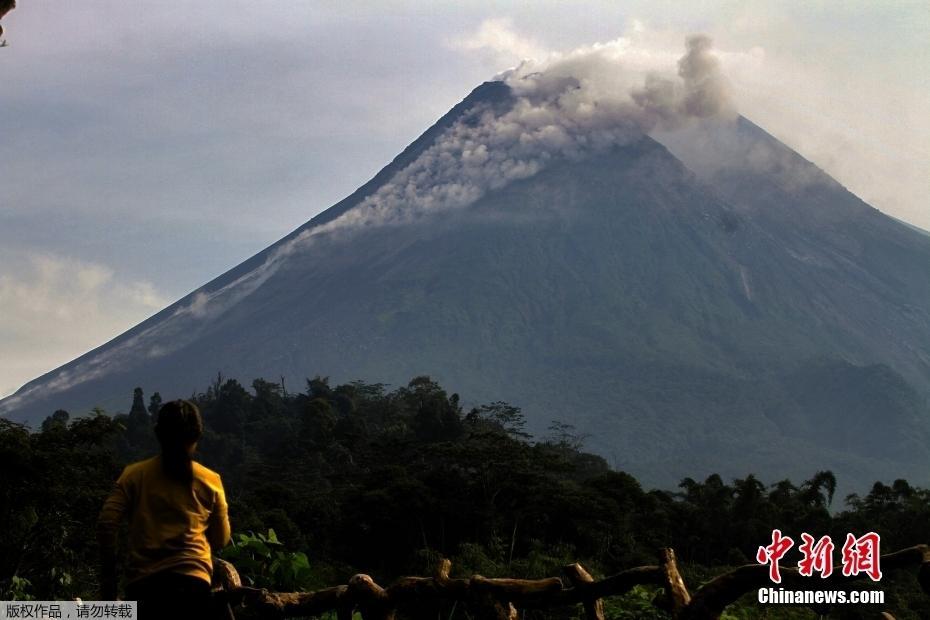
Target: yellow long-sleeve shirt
172,524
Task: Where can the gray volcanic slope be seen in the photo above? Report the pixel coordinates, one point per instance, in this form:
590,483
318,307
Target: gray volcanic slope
728,308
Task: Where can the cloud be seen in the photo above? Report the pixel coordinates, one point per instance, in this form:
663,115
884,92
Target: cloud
498,36
67,305
111,308
867,131
181,141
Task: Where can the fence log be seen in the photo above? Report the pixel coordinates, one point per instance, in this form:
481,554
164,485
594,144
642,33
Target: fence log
264,604
624,581
498,599
516,589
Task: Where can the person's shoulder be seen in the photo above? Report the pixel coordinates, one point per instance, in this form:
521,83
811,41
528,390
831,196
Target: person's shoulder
136,470
139,467
207,475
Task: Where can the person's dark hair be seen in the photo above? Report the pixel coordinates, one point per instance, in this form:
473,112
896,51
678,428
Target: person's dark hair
178,426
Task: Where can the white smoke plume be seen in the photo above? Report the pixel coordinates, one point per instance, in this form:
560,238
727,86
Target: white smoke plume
571,106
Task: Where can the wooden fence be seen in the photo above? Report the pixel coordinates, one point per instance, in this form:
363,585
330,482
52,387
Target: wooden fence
499,599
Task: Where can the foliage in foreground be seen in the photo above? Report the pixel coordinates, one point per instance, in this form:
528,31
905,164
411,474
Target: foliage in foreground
356,478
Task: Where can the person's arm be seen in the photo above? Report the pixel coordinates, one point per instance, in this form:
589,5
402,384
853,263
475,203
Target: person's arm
114,511
218,530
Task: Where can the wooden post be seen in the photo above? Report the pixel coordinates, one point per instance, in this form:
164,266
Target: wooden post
443,568
580,580
225,580
675,591
225,576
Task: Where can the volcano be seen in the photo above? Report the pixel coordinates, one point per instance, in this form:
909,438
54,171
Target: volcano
697,301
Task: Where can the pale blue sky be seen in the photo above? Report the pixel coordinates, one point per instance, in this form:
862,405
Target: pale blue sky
148,147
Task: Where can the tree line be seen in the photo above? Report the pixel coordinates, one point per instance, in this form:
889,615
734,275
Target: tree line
362,478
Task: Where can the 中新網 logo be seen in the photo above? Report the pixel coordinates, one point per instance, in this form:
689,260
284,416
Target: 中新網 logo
860,555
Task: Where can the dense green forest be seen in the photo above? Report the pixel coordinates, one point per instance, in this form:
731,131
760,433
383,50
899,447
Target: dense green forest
359,478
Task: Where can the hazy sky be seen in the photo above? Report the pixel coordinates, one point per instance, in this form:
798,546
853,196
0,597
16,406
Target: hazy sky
147,147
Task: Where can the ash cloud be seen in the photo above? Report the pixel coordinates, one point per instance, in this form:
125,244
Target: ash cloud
706,92
701,93
571,106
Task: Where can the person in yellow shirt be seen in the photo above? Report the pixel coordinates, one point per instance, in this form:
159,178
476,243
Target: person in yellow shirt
177,516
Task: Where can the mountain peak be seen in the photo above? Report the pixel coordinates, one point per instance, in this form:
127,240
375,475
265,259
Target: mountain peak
668,307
